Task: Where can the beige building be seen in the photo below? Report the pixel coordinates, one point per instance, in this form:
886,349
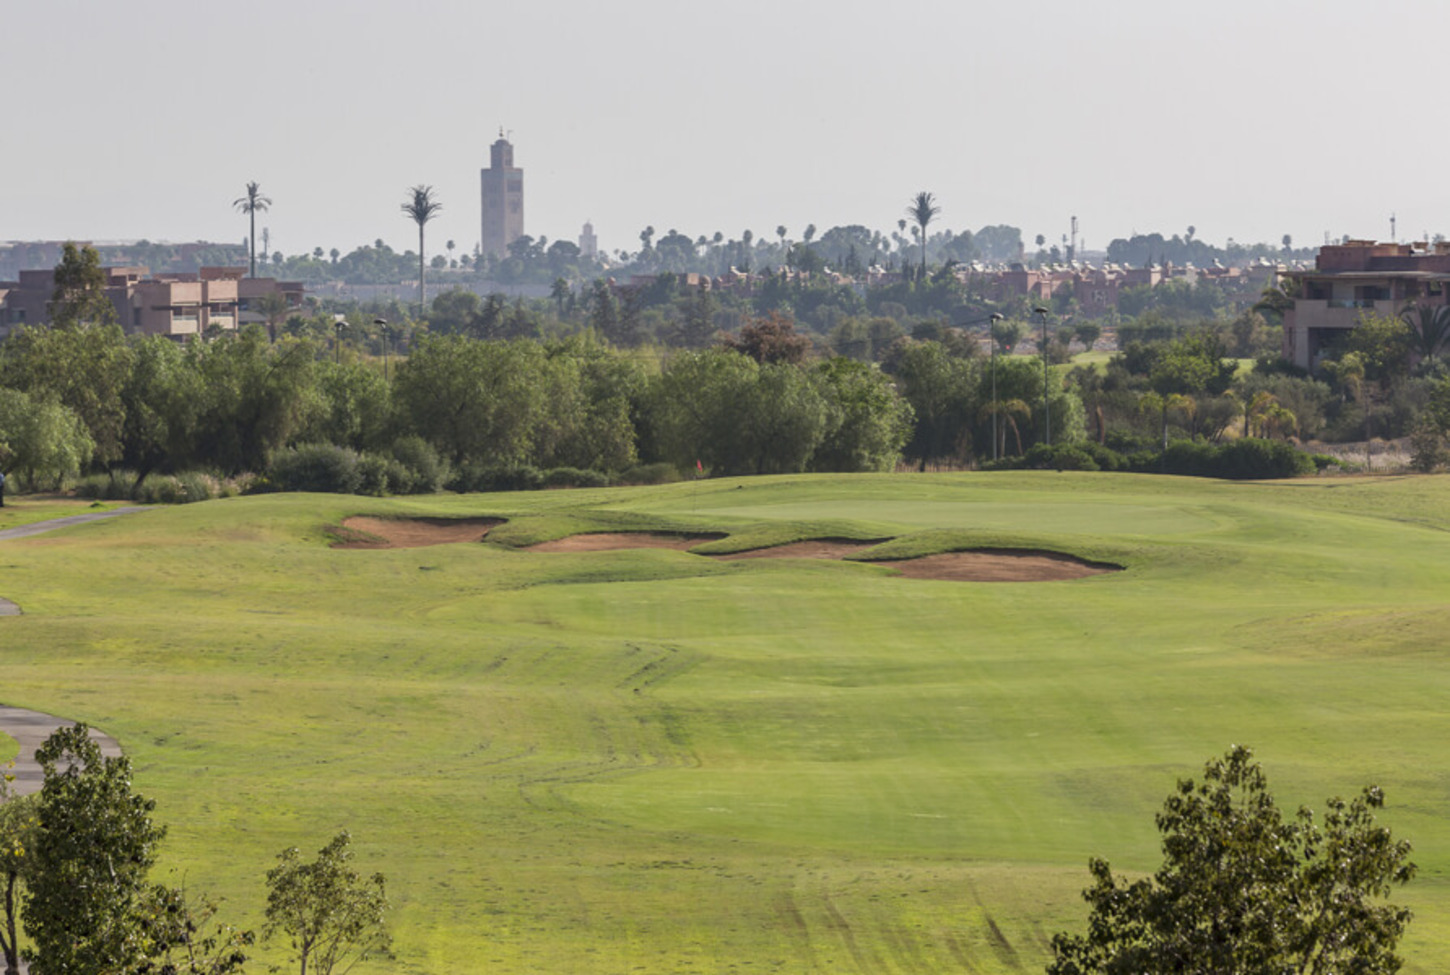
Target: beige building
174,305
503,199
1357,278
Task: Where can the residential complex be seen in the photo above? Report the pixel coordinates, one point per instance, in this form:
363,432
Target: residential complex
1356,278
503,199
174,305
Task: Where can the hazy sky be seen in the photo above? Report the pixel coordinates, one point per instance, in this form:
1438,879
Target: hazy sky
1245,119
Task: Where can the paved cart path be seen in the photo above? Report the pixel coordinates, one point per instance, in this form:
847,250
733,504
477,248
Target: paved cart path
31,728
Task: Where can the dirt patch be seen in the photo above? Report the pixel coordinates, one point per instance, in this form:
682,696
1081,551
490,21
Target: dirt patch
615,541
999,565
818,548
363,532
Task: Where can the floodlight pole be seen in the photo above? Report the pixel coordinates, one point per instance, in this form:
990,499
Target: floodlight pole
1046,408
992,342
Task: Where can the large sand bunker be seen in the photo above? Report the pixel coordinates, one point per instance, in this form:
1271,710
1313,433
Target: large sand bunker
819,548
999,565
615,541
364,532
988,565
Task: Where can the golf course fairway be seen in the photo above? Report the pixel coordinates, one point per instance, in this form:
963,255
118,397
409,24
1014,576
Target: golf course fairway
649,760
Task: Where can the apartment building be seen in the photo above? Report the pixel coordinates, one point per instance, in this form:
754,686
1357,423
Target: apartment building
1356,278
174,305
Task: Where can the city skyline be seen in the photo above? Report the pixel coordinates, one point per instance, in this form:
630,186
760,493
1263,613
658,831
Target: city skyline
1247,121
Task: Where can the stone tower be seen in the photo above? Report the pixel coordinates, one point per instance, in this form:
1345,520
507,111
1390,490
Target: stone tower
503,199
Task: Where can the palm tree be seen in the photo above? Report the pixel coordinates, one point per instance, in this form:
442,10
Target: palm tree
923,210
1429,328
250,204
420,209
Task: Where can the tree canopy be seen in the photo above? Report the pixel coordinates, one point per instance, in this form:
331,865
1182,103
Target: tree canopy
1244,890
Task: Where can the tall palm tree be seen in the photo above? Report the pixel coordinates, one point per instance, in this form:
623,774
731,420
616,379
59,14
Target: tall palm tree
420,209
923,210
250,204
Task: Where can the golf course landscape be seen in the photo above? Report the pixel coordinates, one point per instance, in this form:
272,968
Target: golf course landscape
572,759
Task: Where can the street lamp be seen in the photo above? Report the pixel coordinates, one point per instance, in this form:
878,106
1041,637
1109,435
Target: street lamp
1041,313
382,323
992,342
339,325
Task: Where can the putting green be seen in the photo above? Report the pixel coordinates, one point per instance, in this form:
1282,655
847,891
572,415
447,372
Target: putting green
650,761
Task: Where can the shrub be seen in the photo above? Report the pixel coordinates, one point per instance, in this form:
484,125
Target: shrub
426,472
575,477
373,473
660,473
479,477
317,467
118,485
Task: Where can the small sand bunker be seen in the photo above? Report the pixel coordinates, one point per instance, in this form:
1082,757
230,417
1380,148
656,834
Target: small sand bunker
999,565
820,548
615,541
364,532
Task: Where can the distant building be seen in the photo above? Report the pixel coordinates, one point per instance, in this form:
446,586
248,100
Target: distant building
503,199
588,243
175,305
1358,277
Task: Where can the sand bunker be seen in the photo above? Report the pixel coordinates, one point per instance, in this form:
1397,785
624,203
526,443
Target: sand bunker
988,565
615,541
820,548
999,566
364,532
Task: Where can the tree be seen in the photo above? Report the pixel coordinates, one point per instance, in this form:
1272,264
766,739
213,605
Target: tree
1241,890
43,440
17,839
1429,329
95,842
923,210
421,208
250,204
333,916
79,299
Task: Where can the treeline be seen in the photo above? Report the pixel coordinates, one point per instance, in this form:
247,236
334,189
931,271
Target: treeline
457,412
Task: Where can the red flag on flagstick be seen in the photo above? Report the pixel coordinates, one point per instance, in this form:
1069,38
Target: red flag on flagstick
698,466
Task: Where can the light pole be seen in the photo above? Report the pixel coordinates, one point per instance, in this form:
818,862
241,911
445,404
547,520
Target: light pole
992,341
382,323
339,325
1041,313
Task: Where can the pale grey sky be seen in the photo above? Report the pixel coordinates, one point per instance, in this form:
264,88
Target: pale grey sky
1245,119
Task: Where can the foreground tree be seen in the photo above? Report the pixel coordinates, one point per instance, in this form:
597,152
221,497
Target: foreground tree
86,890
250,204
17,838
420,207
333,916
1243,891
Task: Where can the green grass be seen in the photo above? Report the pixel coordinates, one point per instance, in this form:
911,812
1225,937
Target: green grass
28,509
650,761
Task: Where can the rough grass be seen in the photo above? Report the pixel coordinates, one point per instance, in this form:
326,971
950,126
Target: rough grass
649,761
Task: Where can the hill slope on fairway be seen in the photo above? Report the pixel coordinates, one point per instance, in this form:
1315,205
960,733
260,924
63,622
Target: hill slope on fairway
649,760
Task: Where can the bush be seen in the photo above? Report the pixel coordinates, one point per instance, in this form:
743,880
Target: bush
317,467
119,485
575,477
377,475
423,470
651,474
480,477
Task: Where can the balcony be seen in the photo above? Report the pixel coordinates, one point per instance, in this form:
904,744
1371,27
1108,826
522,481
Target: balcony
1339,312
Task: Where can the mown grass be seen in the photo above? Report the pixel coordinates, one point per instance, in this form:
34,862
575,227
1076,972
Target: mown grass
651,761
